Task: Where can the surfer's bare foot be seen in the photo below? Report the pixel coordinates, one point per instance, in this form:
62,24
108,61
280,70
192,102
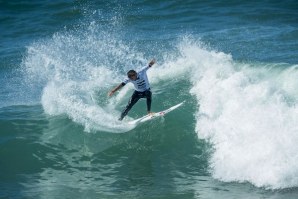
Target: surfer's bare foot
150,113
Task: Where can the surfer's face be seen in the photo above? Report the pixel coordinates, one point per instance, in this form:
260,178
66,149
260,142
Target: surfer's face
132,76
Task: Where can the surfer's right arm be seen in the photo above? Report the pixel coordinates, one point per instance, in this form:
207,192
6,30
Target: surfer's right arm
116,89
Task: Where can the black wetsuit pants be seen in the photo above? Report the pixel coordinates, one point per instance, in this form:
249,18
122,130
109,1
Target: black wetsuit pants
134,98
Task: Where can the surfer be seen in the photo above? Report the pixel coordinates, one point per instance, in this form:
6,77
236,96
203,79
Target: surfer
142,88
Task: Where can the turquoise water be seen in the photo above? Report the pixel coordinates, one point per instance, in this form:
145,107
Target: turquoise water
234,63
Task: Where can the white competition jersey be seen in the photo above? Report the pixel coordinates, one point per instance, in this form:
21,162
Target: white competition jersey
141,84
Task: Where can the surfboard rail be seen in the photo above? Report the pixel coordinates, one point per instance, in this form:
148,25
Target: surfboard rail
155,115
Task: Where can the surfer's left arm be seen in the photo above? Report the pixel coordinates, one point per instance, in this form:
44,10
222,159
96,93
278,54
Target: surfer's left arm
145,68
151,63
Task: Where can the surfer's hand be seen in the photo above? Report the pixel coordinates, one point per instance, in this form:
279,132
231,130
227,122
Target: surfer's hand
110,93
152,62
115,89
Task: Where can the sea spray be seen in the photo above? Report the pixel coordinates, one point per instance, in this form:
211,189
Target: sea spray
72,68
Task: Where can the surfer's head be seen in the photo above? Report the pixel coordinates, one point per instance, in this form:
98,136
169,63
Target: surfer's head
132,74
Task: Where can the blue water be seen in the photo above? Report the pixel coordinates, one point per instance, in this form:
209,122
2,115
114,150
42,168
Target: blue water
234,63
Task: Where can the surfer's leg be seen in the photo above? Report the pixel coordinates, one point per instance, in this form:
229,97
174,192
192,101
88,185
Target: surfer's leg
134,98
148,95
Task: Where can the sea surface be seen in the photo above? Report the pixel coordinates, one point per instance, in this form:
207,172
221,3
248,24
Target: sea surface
234,63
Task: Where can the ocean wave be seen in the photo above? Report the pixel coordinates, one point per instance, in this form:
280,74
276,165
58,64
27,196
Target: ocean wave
249,114
247,111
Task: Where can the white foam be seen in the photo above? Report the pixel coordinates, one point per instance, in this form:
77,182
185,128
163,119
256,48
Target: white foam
250,115
70,99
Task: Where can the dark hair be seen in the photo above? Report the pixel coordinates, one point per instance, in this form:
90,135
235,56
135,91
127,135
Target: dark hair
131,71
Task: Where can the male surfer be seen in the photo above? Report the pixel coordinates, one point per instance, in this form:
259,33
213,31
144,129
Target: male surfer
142,88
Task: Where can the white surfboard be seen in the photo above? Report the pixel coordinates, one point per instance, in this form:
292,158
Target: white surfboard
154,115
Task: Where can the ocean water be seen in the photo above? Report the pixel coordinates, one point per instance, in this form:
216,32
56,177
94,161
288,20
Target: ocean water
234,63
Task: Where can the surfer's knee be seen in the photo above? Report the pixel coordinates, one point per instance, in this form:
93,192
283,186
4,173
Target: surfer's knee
148,94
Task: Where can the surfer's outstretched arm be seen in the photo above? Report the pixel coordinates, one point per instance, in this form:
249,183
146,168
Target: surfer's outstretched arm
115,89
152,62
